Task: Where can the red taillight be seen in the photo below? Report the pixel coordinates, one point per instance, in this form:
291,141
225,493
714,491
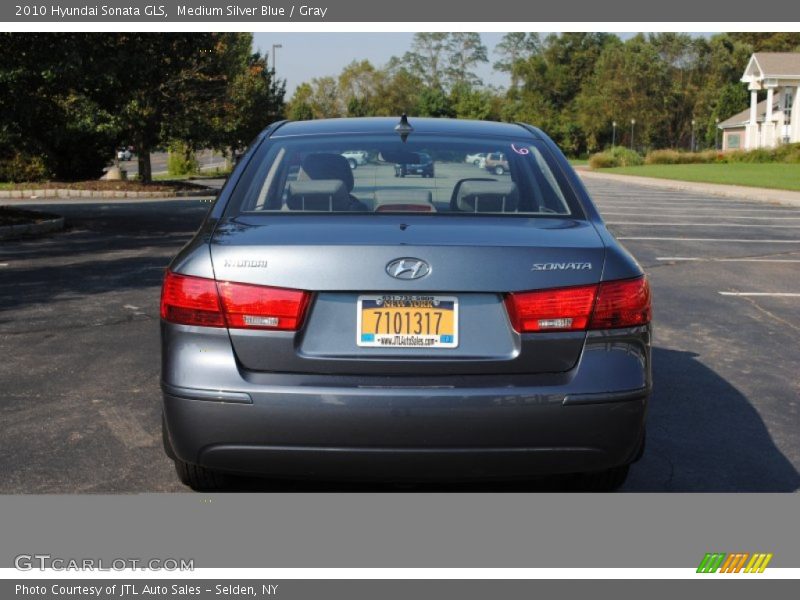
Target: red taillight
190,301
199,301
564,309
606,305
623,303
259,307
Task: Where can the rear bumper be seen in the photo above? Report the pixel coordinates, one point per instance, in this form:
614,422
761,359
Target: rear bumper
405,428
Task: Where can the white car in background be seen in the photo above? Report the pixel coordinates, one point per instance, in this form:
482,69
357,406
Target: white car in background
479,159
356,158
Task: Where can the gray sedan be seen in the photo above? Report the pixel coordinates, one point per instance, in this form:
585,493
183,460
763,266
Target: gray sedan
334,323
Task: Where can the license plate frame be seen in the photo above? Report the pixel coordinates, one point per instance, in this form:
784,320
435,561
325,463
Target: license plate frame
430,304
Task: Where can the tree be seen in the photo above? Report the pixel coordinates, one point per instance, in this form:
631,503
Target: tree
465,52
769,41
357,86
428,58
434,103
550,82
255,99
74,96
470,103
397,91
54,105
629,81
175,86
516,46
299,107
324,100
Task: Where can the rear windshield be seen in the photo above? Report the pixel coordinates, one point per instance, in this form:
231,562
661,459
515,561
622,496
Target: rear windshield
426,174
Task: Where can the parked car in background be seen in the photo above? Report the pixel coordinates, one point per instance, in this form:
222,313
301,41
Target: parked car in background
356,158
124,154
496,163
478,159
421,164
342,324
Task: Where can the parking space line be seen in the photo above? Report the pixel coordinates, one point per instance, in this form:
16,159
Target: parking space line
698,259
776,294
684,239
669,215
656,224
694,207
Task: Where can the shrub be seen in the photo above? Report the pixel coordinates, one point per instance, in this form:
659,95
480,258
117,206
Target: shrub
678,157
663,157
788,153
23,168
602,160
182,160
759,155
793,156
616,157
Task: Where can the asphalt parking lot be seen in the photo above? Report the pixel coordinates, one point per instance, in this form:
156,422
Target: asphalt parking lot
80,369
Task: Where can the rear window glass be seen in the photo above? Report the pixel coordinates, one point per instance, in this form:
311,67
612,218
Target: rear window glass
426,174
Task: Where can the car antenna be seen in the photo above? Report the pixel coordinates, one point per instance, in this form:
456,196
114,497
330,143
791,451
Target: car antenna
404,127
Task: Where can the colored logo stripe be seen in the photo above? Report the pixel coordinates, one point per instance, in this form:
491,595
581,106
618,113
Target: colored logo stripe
758,563
734,563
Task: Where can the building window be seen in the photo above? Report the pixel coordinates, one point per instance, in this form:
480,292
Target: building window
734,141
787,101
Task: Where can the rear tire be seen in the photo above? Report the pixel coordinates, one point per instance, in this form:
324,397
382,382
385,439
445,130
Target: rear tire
168,449
601,481
353,164
201,479
499,170
196,477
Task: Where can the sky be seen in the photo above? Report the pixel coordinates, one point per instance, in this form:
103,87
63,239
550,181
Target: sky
308,55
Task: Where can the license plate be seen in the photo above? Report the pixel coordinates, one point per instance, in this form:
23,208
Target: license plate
407,321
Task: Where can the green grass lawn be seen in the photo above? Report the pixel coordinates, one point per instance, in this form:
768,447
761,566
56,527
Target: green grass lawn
576,162
781,176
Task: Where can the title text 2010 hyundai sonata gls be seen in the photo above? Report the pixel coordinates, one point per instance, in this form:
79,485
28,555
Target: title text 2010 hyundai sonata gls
338,323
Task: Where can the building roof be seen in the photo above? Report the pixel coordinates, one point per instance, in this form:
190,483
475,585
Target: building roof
743,118
775,64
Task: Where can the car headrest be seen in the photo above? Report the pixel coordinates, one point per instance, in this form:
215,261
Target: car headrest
488,196
324,165
319,195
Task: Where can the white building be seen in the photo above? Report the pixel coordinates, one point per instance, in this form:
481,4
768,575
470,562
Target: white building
775,120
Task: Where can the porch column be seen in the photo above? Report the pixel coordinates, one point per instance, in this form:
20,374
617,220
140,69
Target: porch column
769,128
783,116
794,129
751,138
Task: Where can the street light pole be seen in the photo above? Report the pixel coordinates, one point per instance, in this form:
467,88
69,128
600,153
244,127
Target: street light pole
716,133
693,124
633,122
274,46
614,134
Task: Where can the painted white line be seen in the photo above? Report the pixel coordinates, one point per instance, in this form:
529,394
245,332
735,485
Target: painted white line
694,208
656,224
3,264
776,294
672,215
697,259
684,239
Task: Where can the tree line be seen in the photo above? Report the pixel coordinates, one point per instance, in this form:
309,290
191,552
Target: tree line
69,99
572,85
